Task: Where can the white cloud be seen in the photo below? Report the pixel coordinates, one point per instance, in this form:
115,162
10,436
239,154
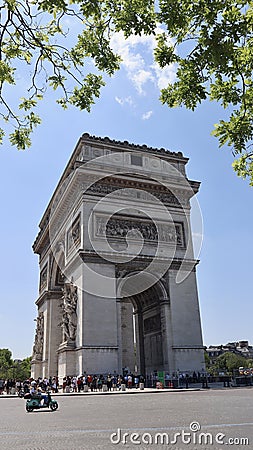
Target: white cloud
119,100
165,75
140,78
140,67
123,101
147,115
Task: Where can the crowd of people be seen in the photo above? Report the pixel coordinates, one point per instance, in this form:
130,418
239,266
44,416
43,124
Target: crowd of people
72,383
13,386
96,382
129,380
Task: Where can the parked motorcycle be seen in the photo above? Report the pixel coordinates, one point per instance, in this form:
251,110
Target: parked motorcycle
39,401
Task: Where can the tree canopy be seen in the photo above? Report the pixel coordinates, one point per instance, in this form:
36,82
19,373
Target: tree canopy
208,41
228,362
17,369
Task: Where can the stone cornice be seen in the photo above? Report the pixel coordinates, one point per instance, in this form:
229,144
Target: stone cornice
125,145
47,295
41,241
98,347
188,347
139,262
178,197
88,347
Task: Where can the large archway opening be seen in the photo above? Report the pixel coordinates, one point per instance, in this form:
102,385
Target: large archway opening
143,331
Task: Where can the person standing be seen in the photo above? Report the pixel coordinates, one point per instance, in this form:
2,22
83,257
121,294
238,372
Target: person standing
109,382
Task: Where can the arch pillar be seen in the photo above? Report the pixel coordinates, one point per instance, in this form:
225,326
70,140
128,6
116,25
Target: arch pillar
168,358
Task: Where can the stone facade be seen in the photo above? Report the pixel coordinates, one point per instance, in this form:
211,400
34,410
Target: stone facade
117,271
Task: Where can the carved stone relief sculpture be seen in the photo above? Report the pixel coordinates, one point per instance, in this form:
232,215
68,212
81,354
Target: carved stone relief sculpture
119,228
39,338
74,234
69,314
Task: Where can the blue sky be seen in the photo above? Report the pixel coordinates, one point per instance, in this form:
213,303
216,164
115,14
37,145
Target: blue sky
129,109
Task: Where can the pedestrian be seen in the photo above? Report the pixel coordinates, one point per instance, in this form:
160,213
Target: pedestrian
80,384
109,382
136,381
129,381
100,383
119,382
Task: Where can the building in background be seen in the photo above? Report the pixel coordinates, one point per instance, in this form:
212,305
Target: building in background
240,348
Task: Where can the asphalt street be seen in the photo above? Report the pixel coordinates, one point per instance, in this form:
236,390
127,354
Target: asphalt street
211,419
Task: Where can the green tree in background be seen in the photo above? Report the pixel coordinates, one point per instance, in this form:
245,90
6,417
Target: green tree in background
5,362
22,369
208,41
249,363
228,362
207,361
9,368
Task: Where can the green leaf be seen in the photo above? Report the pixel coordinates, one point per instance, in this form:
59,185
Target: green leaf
27,103
56,81
2,134
21,138
83,97
6,73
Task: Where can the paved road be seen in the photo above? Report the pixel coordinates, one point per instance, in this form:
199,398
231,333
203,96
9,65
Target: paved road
87,422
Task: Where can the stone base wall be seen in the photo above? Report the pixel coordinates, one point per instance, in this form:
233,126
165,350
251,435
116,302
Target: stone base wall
66,363
97,360
36,369
189,360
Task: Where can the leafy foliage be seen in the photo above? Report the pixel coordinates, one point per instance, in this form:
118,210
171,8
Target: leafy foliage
207,360
22,370
5,361
209,41
16,369
33,34
213,50
228,362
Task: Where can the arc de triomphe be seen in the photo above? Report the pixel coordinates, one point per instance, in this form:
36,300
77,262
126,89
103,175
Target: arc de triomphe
117,271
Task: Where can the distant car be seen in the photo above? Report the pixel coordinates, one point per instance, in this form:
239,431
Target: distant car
245,371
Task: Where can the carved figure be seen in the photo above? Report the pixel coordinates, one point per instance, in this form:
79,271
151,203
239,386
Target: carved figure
39,338
65,326
69,315
118,228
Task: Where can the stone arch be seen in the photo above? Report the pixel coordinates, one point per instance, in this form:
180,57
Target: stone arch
144,319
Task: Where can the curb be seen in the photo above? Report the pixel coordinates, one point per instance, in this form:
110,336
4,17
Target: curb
128,392
134,392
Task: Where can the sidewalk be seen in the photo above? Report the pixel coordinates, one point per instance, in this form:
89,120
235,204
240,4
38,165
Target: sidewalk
134,391
126,392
